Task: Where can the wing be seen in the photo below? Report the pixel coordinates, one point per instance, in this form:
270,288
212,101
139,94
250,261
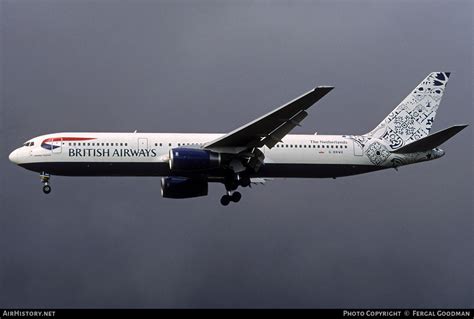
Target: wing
272,127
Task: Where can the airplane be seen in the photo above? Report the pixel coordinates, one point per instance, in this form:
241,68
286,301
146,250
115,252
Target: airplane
258,151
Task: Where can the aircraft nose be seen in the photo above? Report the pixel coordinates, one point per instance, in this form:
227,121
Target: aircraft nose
13,157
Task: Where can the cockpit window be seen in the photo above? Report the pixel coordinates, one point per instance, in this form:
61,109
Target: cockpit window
29,144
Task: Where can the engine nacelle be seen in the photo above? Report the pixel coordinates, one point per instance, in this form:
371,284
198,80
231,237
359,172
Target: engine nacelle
191,159
182,187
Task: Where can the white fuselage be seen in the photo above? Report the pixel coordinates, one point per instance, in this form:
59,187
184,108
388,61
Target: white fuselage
262,148
147,154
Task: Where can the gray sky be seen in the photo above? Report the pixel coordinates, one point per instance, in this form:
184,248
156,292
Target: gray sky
385,239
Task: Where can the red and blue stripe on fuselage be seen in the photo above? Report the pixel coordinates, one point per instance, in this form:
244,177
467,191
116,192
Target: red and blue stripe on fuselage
46,144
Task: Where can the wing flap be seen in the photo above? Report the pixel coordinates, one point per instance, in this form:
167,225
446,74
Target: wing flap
276,136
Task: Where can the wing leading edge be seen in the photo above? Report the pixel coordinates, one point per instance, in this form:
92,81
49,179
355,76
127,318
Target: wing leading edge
270,128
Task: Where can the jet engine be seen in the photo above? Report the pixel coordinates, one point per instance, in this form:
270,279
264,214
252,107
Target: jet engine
183,187
190,159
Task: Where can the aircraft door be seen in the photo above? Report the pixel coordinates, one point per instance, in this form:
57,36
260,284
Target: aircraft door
357,149
56,146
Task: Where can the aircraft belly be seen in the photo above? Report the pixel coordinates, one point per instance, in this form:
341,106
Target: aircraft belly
74,168
162,169
314,170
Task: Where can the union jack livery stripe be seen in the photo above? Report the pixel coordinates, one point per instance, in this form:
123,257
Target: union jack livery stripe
46,143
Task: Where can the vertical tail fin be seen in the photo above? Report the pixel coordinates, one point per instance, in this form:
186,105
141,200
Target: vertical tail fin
413,117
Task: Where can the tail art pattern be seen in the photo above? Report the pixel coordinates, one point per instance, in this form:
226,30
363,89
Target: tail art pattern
413,117
411,120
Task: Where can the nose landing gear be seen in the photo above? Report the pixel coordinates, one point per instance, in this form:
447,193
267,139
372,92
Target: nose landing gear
45,180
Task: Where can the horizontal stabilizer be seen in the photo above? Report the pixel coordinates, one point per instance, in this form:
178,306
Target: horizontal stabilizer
259,180
431,141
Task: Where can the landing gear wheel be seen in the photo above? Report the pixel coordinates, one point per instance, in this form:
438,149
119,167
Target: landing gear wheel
225,200
236,196
245,182
231,186
46,189
45,181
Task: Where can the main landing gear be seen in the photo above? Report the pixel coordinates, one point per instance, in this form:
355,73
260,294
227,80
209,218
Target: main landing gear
230,197
45,180
231,183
